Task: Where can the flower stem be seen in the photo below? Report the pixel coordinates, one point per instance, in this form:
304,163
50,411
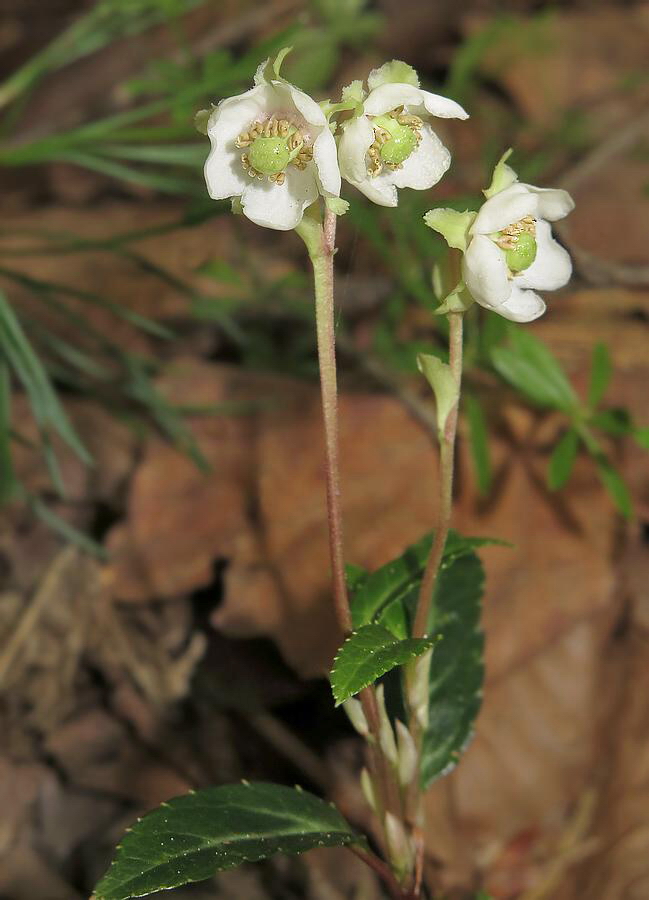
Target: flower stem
320,242
321,246
446,465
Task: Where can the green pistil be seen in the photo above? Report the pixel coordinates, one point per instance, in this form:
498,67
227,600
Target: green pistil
402,142
270,155
522,254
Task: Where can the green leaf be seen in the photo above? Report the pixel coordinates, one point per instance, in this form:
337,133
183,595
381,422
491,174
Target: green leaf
7,475
615,421
563,459
614,484
192,837
452,225
369,653
479,442
457,668
641,436
529,366
47,410
600,375
355,576
389,594
439,376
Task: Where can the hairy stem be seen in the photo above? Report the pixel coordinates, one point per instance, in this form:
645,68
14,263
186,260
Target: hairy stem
446,465
322,260
320,243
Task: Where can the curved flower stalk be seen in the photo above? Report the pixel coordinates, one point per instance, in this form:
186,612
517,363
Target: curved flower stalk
272,147
390,144
509,251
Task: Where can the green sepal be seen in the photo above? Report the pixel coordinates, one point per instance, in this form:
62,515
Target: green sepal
337,205
269,70
201,120
394,72
237,206
439,376
503,176
452,225
458,301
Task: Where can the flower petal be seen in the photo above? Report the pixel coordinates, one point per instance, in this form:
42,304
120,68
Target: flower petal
356,140
325,157
553,203
522,306
379,190
305,105
504,209
390,96
442,107
280,206
425,165
552,267
224,174
485,272
235,114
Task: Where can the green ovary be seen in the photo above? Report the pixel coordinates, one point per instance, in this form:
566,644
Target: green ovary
269,155
402,142
523,254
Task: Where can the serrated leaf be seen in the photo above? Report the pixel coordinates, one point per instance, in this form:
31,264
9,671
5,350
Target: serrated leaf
192,837
355,576
457,668
563,459
600,375
369,653
478,442
388,595
531,368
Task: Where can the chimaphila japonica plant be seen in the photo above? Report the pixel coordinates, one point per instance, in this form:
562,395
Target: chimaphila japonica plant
280,156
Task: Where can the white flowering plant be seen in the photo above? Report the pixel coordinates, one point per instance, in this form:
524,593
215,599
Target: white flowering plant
282,158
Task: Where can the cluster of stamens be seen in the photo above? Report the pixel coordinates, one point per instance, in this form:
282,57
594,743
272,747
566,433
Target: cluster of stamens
382,135
294,149
508,237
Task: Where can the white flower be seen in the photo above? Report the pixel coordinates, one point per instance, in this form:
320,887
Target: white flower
510,250
273,148
390,144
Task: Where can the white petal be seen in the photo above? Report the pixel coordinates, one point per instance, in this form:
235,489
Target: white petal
442,107
390,96
236,114
485,272
325,157
522,306
379,190
305,105
425,165
504,209
553,203
356,140
224,174
552,267
280,206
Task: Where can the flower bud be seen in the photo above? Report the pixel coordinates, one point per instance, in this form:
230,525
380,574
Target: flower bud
386,734
356,716
399,846
417,676
367,786
407,752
